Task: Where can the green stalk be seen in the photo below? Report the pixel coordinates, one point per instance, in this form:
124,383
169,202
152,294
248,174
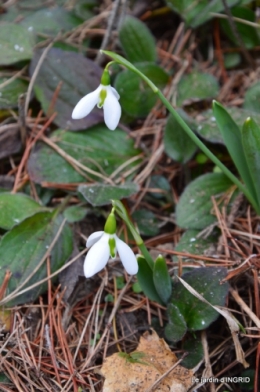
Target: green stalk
120,60
121,211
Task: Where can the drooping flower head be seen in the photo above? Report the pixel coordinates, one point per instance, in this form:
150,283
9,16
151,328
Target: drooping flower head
105,97
106,244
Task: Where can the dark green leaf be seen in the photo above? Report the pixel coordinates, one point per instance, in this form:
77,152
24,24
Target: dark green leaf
161,279
22,248
208,128
146,221
248,34
137,98
196,86
177,144
75,213
15,208
206,281
102,194
10,93
251,145
96,148
78,75
252,98
145,279
192,243
137,41
16,43
193,346
50,21
232,138
232,60
176,327
194,208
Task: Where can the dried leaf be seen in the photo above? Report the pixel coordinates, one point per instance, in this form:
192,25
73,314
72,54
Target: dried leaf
140,369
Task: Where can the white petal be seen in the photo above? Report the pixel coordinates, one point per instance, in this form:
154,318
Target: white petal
115,92
97,257
86,104
112,110
93,238
127,257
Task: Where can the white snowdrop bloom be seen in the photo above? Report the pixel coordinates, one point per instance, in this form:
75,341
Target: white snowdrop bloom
103,246
106,97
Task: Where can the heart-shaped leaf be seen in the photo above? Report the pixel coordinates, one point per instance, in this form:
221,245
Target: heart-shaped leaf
137,41
97,148
16,43
15,208
194,208
207,282
102,194
76,75
176,327
22,248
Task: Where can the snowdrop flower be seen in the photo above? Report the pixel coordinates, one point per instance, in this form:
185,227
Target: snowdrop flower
106,244
104,96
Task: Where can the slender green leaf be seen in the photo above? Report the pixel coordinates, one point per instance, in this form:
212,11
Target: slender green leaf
137,41
251,145
161,279
145,279
232,138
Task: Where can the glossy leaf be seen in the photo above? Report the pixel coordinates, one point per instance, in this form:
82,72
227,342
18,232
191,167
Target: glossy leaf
193,347
102,194
76,76
22,248
15,208
196,86
145,280
146,222
10,93
96,148
137,41
176,327
137,98
207,282
16,43
161,279
251,145
194,208
232,138
177,144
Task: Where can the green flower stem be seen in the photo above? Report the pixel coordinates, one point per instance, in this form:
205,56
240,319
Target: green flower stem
121,211
119,59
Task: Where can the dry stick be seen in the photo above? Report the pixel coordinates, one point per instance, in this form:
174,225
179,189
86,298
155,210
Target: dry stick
157,382
16,292
100,290
237,36
36,71
244,306
112,315
110,24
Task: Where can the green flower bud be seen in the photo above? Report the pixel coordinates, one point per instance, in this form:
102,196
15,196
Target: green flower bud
110,225
105,78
